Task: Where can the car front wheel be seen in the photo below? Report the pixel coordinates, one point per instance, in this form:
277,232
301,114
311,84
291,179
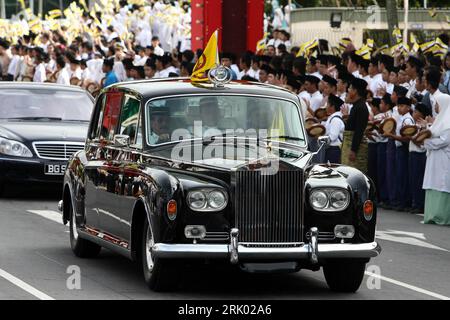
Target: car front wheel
344,275
159,274
81,247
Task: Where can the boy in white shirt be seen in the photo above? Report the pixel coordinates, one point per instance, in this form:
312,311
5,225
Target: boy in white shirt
402,154
335,127
417,161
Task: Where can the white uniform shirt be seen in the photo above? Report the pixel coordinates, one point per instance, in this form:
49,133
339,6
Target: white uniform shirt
40,74
13,65
159,51
63,77
316,100
335,129
403,120
376,83
165,72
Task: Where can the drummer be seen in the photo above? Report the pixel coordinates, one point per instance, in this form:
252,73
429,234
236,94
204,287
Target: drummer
335,127
373,139
417,161
402,154
385,159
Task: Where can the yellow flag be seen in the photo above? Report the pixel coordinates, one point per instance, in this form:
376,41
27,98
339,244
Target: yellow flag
398,35
364,52
55,12
370,43
208,60
277,127
261,44
432,12
22,4
343,44
414,43
83,3
307,47
426,47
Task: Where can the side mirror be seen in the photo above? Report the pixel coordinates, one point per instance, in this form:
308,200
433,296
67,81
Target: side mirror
324,141
121,140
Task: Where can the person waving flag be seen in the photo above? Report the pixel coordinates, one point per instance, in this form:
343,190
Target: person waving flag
208,60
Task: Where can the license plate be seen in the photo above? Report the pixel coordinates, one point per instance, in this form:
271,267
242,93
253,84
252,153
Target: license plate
55,169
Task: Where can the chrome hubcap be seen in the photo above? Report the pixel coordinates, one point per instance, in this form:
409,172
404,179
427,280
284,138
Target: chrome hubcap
74,227
149,243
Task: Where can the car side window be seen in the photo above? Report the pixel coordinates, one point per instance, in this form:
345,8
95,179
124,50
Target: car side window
111,115
98,117
129,117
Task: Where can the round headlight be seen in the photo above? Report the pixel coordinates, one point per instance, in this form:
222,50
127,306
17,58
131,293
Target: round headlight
217,199
338,199
318,199
196,200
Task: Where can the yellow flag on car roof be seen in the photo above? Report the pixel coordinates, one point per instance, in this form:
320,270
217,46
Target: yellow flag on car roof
208,60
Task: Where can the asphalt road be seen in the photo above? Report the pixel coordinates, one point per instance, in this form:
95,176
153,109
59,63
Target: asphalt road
35,256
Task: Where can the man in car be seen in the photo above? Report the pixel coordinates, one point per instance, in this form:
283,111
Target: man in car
159,123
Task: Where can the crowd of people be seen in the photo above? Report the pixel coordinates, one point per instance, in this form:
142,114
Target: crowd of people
351,93
93,49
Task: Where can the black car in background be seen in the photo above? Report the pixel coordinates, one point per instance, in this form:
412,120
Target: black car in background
41,126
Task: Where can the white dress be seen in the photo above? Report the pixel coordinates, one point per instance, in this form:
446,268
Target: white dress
437,170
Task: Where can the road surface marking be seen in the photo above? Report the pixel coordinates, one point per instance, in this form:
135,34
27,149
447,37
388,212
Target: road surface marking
48,214
24,286
408,286
411,238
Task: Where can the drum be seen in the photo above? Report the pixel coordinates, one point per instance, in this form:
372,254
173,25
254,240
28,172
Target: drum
75,81
371,125
321,114
388,125
309,122
422,136
316,130
408,131
92,87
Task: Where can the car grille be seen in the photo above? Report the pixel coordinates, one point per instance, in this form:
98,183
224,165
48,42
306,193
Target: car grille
56,150
268,208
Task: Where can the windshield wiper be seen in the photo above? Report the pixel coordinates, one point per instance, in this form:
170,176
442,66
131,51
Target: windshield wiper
37,118
286,137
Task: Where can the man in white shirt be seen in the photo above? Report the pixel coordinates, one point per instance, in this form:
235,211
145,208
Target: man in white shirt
14,64
312,87
63,76
157,49
402,154
335,127
376,79
413,67
164,66
75,70
353,65
40,74
254,70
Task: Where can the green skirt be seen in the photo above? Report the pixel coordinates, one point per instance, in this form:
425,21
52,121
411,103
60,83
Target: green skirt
361,156
437,207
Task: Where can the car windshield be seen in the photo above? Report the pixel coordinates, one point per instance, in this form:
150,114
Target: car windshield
181,118
34,104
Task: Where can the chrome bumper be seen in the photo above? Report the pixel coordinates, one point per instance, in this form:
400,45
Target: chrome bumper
235,251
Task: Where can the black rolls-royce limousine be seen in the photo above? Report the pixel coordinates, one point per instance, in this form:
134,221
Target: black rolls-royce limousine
175,171
41,126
